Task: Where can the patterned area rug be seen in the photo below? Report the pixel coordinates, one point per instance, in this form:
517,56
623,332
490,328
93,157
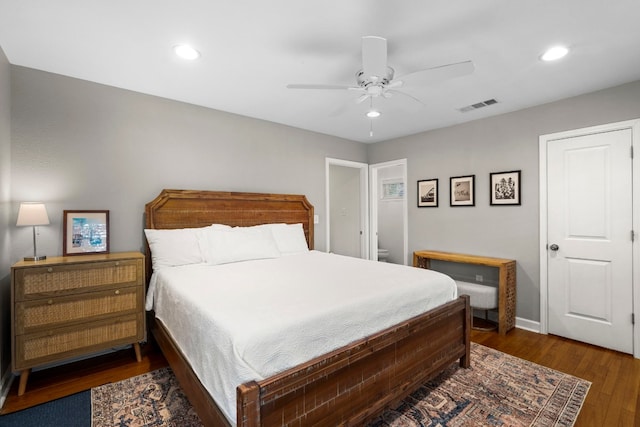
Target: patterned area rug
498,390
152,399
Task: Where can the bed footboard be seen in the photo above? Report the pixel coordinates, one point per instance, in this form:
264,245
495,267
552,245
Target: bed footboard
354,383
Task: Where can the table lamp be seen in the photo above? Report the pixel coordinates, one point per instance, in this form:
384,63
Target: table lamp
33,214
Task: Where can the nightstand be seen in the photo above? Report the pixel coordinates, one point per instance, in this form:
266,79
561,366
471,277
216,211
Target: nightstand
66,307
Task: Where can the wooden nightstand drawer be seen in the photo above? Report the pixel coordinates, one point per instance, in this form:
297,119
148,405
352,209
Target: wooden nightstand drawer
59,343
33,315
63,279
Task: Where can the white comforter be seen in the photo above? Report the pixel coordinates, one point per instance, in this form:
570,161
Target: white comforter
249,320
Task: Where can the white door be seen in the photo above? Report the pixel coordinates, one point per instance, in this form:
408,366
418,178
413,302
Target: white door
589,238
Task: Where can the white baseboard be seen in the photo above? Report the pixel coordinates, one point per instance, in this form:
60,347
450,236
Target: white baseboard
528,325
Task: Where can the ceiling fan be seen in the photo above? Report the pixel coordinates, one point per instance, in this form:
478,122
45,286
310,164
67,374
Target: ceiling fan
376,78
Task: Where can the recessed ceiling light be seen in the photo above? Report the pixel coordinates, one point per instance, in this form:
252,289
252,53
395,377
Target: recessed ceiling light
186,52
554,53
373,114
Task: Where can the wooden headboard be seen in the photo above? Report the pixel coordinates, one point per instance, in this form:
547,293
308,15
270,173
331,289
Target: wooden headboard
195,208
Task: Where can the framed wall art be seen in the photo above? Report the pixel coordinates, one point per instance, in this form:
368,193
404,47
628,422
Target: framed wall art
462,190
85,232
428,193
505,188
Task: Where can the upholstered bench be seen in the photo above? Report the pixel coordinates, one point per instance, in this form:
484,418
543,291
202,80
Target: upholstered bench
482,297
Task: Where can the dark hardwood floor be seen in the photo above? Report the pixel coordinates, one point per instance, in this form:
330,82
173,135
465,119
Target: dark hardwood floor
613,400
65,380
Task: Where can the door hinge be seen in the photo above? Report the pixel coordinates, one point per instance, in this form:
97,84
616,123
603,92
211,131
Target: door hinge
633,318
632,151
633,236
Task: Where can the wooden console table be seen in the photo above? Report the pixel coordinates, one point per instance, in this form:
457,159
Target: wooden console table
506,281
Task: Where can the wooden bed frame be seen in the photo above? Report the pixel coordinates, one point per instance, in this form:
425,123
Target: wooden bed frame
347,386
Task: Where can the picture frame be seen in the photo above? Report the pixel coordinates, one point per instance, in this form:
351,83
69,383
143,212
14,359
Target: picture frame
428,193
85,232
504,188
463,190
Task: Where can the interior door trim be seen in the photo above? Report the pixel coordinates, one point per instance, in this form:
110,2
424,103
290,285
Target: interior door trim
544,140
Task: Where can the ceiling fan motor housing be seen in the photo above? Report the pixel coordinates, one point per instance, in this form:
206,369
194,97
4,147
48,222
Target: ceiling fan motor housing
365,81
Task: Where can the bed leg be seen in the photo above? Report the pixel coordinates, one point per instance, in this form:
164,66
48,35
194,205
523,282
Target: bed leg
465,361
248,401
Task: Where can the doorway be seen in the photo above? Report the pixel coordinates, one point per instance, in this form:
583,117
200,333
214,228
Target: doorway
389,215
347,208
587,232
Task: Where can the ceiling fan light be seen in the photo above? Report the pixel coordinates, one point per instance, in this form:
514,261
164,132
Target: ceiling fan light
555,53
186,52
373,114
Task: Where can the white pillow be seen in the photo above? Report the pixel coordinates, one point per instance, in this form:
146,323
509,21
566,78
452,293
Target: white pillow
174,247
238,244
180,246
289,238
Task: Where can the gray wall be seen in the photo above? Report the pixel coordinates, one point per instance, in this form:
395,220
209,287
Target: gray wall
5,211
502,143
81,145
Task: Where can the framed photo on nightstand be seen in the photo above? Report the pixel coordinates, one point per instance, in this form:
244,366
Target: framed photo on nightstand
85,232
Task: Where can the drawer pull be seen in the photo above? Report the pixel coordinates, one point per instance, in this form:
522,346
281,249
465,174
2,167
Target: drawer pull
118,292
117,263
49,270
50,302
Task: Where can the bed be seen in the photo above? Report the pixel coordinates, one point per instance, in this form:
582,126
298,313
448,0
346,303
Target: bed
347,385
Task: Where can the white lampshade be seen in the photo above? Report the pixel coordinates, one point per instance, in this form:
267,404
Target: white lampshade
32,213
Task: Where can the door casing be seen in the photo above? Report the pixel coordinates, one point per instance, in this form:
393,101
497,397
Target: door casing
544,140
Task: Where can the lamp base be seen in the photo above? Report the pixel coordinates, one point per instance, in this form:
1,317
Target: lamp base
35,258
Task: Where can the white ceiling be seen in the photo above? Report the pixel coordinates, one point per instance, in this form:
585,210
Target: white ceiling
251,49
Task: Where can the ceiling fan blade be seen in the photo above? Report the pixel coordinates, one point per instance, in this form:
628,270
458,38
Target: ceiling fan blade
399,92
438,74
319,86
394,84
339,111
374,56
362,98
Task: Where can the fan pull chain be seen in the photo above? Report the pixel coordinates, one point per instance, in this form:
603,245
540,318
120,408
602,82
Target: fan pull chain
370,120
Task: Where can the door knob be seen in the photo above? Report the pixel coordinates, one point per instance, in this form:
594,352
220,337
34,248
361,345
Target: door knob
554,247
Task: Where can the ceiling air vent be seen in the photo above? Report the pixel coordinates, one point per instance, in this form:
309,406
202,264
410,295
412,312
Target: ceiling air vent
477,105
